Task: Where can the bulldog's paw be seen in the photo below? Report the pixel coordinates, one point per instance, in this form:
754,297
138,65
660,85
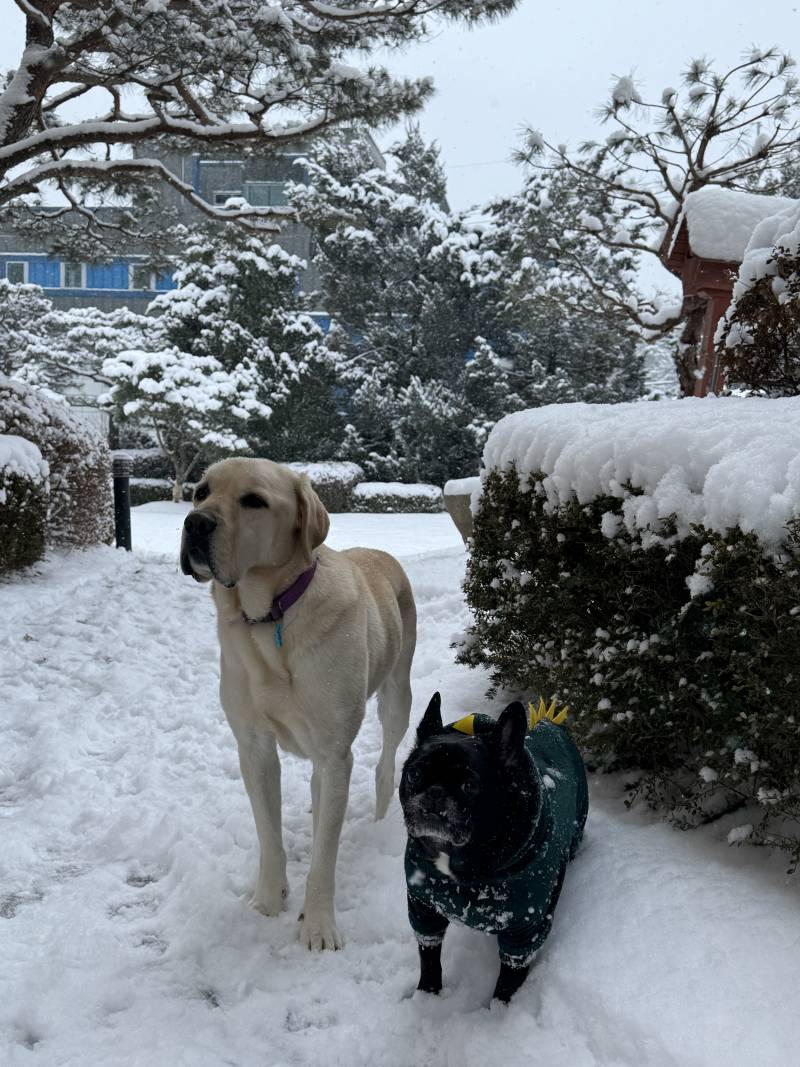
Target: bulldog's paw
270,899
318,931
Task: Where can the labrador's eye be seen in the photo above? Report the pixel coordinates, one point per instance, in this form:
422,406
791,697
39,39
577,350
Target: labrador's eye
251,500
200,493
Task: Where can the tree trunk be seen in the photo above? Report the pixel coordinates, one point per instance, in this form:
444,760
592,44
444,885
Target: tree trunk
177,491
689,354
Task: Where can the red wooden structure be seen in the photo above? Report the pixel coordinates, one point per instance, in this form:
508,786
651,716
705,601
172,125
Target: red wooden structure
713,232
709,278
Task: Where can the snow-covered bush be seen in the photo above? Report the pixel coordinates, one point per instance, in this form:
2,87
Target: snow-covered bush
148,490
642,561
145,462
80,464
759,338
333,482
24,495
397,496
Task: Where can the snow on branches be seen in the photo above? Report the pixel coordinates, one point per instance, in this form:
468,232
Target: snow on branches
192,403
728,128
225,72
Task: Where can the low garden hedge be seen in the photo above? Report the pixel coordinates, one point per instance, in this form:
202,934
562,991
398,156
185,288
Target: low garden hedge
333,482
149,490
676,645
397,497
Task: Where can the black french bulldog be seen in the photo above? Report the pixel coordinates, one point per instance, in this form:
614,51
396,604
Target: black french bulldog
494,812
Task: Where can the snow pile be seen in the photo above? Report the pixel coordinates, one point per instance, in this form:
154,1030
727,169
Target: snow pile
461,486
720,462
408,490
721,221
333,470
22,457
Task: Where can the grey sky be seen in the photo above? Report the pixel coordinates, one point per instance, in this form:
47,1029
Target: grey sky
549,65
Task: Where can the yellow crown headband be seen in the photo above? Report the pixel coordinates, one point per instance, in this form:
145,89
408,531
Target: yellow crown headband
467,724
542,712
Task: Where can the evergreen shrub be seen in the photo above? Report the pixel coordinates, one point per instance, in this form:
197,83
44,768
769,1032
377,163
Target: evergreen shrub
147,462
81,504
397,497
333,482
23,503
679,660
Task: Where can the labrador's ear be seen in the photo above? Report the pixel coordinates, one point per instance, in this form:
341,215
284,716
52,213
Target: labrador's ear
312,518
512,726
431,721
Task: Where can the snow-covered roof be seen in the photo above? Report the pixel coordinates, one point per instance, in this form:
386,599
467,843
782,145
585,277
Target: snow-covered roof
721,462
721,221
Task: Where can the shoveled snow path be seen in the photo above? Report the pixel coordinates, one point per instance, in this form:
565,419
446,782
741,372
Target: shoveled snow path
128,850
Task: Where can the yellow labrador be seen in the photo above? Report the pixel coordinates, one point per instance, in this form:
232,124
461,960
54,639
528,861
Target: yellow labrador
256,528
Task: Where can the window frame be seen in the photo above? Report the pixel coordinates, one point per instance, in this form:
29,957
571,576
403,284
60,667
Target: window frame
17,263
227,194
81,268
272,183
150,287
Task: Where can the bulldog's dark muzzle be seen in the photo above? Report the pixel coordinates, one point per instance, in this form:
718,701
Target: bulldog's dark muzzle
198,527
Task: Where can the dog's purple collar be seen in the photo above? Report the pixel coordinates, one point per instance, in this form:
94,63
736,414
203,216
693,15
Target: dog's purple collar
282,603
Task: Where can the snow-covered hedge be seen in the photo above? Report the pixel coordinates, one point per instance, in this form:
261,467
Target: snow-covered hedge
81,511
397,496
759,336
147,490
642,561
146,462
24,493
333,482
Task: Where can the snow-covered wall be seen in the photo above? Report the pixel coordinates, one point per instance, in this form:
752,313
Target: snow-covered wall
721,221
722,462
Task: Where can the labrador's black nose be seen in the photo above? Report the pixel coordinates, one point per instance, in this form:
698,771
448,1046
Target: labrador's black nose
199,525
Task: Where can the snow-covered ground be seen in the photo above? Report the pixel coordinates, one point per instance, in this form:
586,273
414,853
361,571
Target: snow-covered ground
156,528
128,850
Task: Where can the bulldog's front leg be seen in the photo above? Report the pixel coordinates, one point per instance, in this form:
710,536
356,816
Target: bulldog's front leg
509,981
430,968
331,784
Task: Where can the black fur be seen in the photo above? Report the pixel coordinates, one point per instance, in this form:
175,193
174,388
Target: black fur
469,796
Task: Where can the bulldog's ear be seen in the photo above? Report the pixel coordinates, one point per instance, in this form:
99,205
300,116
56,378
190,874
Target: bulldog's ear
313,522
512,726
431,722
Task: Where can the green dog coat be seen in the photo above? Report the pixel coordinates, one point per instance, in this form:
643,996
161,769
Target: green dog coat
517,903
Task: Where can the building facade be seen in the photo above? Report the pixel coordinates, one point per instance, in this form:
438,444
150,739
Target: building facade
127,281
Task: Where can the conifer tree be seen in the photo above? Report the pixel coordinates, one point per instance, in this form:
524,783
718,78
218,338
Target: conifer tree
236,299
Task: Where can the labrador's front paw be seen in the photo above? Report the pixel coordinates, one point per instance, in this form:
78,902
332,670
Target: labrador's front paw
270,898
318,931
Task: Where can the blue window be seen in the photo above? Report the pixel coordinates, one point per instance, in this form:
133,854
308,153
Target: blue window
164,281
45,272
107,275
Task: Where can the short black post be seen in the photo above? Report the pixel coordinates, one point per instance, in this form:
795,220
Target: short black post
123,465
